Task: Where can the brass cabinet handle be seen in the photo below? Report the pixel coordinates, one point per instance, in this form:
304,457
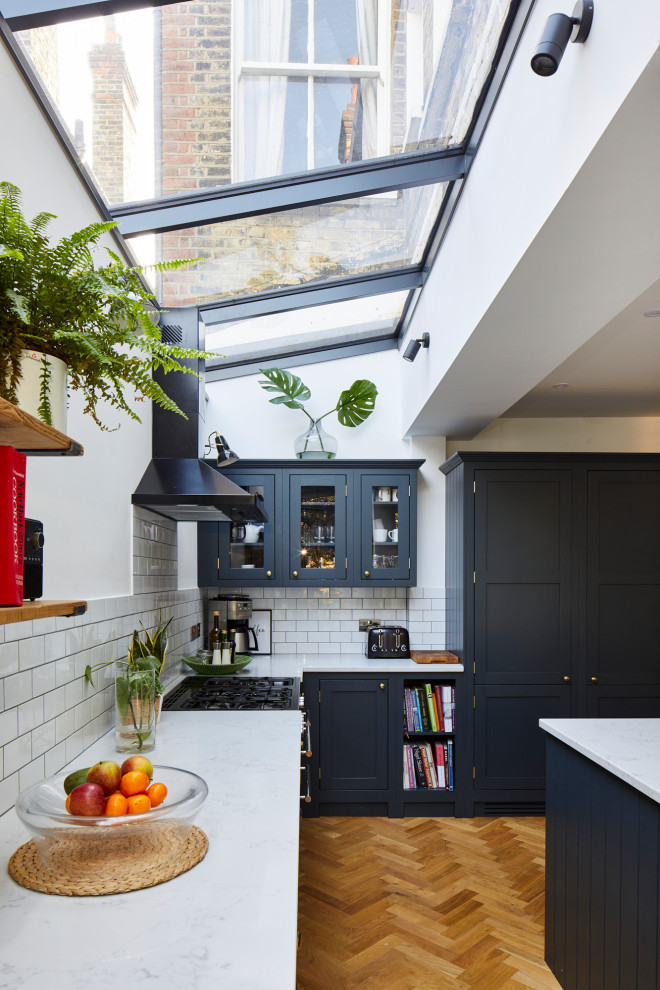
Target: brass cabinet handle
594,680
567,679
269,573
295,573
366,573
382,687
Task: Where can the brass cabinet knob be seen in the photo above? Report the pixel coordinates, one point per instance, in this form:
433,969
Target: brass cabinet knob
366,573
295,573
269,573
567,679
594,680
382,687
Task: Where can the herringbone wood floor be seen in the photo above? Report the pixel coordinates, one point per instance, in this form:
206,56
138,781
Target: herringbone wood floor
422,904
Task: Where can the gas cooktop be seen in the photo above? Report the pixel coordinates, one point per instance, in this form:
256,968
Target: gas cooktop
233,694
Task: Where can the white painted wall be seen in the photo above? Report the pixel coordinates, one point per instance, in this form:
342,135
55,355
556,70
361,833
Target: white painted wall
593,434
556,230
83,502
239,409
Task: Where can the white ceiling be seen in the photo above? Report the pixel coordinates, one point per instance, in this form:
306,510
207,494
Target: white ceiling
572,309
616,373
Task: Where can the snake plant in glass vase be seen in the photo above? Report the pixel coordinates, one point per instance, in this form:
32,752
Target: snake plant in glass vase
353,406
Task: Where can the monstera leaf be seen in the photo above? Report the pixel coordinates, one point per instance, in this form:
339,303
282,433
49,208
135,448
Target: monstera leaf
293,391
356,403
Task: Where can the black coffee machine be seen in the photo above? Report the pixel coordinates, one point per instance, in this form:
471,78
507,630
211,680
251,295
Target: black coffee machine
235,612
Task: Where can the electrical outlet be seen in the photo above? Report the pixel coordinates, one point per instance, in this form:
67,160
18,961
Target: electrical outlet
364,625
195,632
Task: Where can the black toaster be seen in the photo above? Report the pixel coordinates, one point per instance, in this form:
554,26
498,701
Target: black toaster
388,643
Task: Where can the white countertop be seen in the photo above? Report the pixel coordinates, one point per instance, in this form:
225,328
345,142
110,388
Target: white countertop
297,665
229,922
627,747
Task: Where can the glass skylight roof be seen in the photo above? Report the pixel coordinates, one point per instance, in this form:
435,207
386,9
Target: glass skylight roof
294,247
192,96
348,322
298,147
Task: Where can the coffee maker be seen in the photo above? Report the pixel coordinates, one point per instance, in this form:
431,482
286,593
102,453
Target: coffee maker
235,613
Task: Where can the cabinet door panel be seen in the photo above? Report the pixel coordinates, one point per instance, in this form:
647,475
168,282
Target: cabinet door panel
242,561
318,536
623,577
623,701
353,734
509,745
523,577
385,529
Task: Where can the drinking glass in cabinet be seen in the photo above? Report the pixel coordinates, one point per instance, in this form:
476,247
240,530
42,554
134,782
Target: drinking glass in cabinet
317,526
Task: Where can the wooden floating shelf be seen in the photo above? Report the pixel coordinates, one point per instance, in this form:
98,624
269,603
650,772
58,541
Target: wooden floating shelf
28,434
40,610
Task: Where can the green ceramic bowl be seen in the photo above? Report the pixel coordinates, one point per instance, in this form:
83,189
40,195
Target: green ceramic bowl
217,670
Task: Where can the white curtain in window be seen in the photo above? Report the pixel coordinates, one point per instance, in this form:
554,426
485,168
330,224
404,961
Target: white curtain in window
367,26
267,27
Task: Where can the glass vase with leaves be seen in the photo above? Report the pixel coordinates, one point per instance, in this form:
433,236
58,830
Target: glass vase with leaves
353,406
135,699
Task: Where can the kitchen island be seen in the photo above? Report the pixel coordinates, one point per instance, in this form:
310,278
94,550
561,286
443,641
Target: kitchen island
603,853
231,920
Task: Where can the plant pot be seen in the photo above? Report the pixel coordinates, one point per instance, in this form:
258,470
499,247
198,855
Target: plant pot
135,710
315,444
29,387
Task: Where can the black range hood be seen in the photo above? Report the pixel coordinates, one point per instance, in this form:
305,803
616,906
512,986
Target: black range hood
177,484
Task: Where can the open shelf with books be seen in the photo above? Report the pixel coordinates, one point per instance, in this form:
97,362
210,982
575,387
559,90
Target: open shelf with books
429,724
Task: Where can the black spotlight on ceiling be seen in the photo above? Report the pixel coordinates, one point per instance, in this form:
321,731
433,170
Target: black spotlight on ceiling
558,31
413,347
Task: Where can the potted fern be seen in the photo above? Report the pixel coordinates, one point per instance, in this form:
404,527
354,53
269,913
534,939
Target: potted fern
57,304
353,406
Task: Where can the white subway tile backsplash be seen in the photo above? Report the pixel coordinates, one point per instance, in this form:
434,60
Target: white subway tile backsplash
8,658
18,688
30,714
43,738
17,753
55,759
8,725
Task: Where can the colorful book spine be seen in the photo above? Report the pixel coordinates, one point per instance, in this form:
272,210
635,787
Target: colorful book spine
445,690
453,707
425,763
410,721
434,776
420,776
440,765
12,525
438,701
450,764
423,711
417,718
408,768
433,722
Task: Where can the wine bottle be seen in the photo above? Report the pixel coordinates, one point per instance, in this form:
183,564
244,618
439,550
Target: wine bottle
215,635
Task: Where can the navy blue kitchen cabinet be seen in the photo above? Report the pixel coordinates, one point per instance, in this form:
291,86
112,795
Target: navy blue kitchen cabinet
553,589
329,523
358,734
232,554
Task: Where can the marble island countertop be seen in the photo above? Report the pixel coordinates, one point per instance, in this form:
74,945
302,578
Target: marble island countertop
628,747
297,665
229,922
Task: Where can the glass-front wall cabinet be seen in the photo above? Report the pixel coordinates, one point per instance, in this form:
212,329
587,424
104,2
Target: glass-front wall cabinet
240,553
317,529
385,528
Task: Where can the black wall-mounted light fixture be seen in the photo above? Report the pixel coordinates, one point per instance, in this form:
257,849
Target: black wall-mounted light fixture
558,31
413,347
226,456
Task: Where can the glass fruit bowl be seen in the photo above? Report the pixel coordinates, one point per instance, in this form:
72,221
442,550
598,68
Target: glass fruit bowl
102,846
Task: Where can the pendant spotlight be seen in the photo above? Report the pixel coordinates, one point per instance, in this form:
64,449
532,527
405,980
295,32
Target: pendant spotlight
413,347
558,31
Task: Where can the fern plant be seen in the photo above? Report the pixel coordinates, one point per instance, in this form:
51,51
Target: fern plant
94,318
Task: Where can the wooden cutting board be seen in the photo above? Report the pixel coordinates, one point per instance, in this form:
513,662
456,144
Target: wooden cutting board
433,656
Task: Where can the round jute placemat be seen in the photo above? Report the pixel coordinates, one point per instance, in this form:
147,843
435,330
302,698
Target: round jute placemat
28,869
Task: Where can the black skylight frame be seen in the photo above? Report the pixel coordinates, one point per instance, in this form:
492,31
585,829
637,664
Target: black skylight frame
160,215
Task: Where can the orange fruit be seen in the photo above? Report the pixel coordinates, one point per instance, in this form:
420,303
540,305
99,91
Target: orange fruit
67,803
116,804
138,804
156,794
134,782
